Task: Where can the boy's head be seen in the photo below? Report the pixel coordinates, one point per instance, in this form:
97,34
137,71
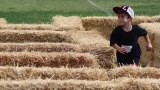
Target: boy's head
125,14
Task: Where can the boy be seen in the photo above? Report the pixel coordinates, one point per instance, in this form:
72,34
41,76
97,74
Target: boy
124,38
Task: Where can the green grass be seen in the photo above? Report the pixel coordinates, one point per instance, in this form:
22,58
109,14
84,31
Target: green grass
41,11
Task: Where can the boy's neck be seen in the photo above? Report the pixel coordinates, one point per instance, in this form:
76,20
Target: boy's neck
127,27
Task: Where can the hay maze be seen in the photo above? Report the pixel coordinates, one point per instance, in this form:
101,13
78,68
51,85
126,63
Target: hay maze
73,53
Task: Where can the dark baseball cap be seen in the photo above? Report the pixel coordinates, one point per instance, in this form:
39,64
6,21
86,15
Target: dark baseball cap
125,9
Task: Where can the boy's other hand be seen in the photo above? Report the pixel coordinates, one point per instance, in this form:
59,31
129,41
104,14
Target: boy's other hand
122,50
149,47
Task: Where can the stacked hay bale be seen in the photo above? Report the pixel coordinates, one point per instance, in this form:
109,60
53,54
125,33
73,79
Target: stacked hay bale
84,73
104,25
23,73
39,59
130,71
154,56
122,78
147,57
26,27
146,19
70,23
119,84
41,47
33,36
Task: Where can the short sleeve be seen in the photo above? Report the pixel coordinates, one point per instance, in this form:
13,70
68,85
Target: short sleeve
141,32
113,37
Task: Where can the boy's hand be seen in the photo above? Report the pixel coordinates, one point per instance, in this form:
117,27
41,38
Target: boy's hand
149,47
122,50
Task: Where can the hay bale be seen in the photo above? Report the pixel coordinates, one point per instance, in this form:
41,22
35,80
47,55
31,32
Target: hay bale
104,54
33,36
72,22
3,21
104,25
25,73
88,38
135,84
121,84
39,59
153,28
42,47
147,57
132,72
27,27
146,19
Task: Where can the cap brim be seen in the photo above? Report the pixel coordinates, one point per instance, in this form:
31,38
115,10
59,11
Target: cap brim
118,10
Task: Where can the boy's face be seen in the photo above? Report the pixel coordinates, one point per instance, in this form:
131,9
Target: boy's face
123,18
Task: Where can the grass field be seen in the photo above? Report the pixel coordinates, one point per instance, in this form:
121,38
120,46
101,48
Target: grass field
41,11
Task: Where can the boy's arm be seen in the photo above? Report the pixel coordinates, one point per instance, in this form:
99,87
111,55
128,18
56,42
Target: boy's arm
149,44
